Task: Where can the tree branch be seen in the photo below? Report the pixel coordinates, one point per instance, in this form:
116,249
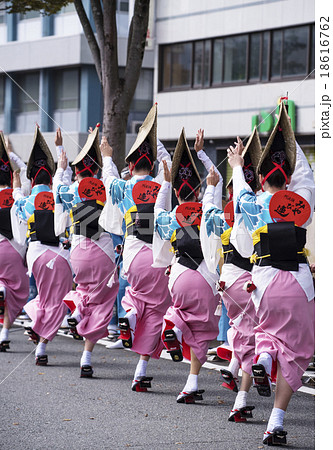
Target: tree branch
97,12
88,31
110,68
136,47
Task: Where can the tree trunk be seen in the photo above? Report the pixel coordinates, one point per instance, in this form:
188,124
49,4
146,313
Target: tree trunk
118,93
114,128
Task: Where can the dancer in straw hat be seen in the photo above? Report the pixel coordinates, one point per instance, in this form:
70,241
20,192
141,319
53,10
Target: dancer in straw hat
190,323
92,253
147,298
235,280
284,294
14,283
47,260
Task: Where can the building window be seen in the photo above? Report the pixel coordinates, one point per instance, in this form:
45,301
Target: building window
67,89
276,53
29,15
312,49
178,67
143,96
122,6
198,63
217,61
295,49
207,63
29,84
255,53
265,56
234,58
2,94
247,58
2,13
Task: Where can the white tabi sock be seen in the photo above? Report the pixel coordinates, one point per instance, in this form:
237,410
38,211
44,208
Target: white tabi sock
141,369
85,358
76,315
266,360
240,401
191,383
40,349
131,316
234,367
276,419
178,333
4,334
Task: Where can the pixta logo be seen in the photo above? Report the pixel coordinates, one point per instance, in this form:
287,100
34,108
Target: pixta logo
267,119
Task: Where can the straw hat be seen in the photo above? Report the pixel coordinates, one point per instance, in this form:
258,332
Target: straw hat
4,155
282,138
148,130
251,155
91,148
40,151
182,155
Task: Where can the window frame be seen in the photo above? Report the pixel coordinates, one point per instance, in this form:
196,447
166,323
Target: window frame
247,80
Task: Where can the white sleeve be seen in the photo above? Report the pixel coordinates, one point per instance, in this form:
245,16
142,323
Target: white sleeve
25,182
302,181
109,169
163,196
67,176
207,162
58,179
162,254
17,160
17,194
162,153
208,198
61,217
111,218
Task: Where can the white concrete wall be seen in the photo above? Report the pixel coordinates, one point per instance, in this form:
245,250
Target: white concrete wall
67,24
3,33
29,29
195,19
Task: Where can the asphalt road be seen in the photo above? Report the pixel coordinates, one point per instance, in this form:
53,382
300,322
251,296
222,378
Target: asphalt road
52,408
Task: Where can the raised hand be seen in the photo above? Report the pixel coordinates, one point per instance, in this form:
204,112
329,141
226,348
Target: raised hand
239,145
199,140
234,158
58,138
62,161
106,149
167,174
212,177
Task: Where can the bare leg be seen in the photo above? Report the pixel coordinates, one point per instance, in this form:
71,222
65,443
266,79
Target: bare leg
6,322
88,345
195,364
283,391
246,382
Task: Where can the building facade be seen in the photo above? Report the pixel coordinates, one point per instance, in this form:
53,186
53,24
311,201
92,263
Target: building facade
224,65
220,65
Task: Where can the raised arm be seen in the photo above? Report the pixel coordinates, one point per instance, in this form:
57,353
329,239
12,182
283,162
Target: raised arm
165,221
109,170
207,162
67,176
162,155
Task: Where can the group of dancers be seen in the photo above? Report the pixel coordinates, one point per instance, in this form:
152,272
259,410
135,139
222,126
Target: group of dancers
180,262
